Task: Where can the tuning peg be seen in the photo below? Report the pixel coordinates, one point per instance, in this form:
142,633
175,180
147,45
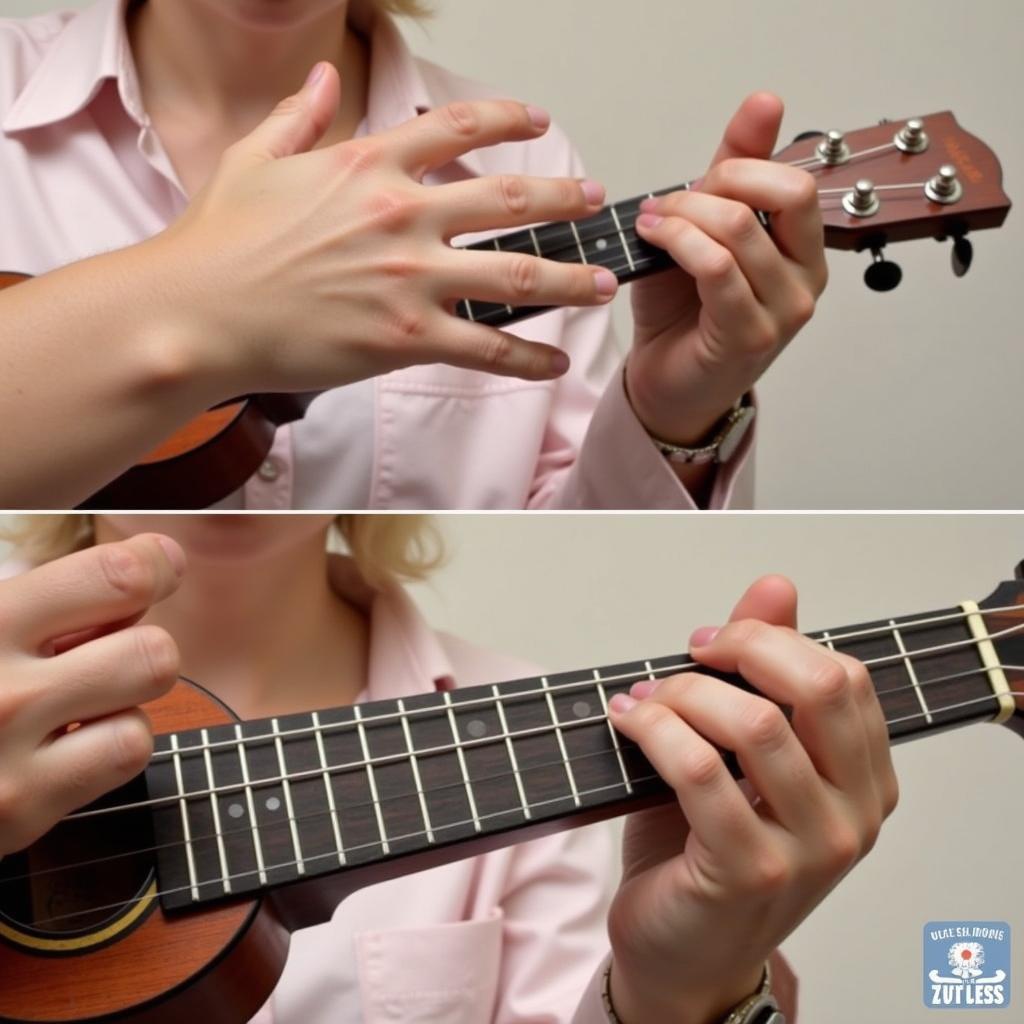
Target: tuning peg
883,275
963,255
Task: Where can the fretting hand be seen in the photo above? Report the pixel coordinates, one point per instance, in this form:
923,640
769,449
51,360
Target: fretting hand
707,331
713,883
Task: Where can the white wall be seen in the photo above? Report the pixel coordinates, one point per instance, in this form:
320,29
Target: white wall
901,401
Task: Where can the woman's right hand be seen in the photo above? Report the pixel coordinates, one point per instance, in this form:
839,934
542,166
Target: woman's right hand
299,270
71,653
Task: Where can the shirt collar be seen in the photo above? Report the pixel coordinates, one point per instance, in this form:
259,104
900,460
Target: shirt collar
93,48
406,656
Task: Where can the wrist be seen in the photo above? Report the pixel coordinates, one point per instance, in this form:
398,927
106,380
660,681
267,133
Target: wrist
672,416
651,1001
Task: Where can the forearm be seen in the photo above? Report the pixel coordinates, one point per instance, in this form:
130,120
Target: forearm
101,362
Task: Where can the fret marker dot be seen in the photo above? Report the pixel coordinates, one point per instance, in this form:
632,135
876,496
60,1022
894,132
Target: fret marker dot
273,803
476,728
236,810
602,244
581,709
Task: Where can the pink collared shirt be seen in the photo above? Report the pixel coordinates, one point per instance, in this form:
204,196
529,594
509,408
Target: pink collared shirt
83,172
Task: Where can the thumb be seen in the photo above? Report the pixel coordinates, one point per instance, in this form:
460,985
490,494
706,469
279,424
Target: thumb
753,130
771,599
299,121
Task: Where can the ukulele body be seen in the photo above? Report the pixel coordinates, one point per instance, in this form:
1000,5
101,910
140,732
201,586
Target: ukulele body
139,964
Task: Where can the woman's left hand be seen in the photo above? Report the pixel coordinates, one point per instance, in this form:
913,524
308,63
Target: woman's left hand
713,883
707,330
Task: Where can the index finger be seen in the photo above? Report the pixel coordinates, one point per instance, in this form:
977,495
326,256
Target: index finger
103,584
440,136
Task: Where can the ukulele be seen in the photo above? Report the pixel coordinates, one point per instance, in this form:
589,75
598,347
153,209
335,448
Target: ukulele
890,183
173,897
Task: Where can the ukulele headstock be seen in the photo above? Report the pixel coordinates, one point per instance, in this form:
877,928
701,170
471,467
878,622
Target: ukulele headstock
1003,616
901,180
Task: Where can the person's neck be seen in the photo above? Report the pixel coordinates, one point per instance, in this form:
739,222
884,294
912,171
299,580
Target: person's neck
201,65
268,636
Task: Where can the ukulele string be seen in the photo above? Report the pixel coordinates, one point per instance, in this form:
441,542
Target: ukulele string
869,633
422,833
287,820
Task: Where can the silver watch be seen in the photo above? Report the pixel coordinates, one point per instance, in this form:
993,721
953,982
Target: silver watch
730,435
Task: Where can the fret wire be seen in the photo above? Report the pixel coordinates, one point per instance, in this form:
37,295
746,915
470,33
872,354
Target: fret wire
536,244
561,740
186,829
511,750
370,777
579,757
321,753
910,670
497,246
612,732
415,771
579,244
221,853
243,760
462,761
287,789
828,641
683,666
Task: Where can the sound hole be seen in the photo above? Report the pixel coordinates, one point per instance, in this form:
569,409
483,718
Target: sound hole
83,874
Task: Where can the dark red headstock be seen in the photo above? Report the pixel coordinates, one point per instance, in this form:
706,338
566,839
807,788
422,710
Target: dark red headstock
907,164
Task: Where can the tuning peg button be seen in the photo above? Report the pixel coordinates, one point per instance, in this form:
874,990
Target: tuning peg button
963,255
883,275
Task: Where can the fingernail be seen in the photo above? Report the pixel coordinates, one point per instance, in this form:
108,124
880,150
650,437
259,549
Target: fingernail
174,554
643,689
622,703
316,74
559,363
540,118
648,220
607,283
594,192
649,205
703,636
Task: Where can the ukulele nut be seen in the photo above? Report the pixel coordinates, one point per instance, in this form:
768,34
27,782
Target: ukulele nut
863,200
945,187
834,150
912,138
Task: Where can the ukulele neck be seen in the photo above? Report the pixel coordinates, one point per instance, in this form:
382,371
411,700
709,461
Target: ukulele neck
607,239
251,806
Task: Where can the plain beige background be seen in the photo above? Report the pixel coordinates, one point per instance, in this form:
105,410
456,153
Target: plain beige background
577,591
907,400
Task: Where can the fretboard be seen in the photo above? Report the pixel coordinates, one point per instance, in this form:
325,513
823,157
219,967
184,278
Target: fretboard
607,239
265,803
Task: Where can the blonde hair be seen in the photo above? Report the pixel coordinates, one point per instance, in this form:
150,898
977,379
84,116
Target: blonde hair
387,549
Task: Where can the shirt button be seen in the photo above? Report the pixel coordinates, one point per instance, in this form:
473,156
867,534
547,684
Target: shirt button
270,470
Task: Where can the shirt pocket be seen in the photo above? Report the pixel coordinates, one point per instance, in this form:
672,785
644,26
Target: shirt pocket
444,974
